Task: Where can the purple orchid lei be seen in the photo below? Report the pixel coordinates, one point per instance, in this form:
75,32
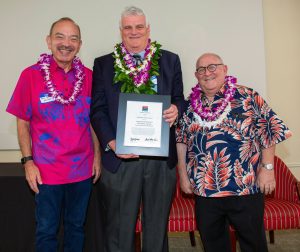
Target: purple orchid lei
44,62
134,78
139,74
214,113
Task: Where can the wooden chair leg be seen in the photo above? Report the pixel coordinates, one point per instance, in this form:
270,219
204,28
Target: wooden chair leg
138,245
271,235
192,238
232,240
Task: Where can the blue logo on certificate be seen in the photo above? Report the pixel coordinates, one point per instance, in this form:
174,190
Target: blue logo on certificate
145,108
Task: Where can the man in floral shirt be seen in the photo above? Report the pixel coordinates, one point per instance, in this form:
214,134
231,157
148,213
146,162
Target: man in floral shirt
226,143
51,102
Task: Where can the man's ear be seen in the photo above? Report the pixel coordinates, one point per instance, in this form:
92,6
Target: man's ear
48,41
148,28
225,69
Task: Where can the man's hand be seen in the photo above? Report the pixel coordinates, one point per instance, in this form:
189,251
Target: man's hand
112,145
185,184
127,156
31,171
96,168
33,176
170,114
266,180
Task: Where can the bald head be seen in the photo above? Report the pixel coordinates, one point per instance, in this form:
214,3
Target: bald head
216,56
210,73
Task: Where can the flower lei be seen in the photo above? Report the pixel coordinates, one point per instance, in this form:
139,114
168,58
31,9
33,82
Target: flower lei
44,62
210,117
136,79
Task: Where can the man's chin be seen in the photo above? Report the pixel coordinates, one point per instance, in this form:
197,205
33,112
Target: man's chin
66,54
64,59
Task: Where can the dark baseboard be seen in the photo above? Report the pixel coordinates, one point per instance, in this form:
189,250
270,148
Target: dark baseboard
11,169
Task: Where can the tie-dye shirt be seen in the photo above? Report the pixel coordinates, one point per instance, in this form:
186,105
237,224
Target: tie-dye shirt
62,145
222,160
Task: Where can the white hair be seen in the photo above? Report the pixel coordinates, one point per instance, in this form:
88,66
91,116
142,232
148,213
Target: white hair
132,11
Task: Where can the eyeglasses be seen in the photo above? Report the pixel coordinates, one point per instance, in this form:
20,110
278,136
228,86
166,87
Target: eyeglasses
211,68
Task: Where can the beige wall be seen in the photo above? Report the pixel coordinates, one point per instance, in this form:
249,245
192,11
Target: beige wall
282,40
189,36
282,45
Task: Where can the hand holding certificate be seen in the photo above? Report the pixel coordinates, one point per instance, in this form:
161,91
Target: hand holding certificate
141,129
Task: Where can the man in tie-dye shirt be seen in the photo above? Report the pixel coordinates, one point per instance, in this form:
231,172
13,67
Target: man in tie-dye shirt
52,103
226,145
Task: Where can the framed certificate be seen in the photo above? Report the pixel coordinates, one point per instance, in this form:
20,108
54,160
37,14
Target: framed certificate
141,129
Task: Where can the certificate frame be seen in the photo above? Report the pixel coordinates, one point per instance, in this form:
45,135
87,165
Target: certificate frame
163,150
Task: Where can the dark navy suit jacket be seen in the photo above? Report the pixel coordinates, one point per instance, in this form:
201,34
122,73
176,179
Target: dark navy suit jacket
105,99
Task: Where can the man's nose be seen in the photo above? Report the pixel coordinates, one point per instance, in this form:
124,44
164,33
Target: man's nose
206,72
67,41
133,30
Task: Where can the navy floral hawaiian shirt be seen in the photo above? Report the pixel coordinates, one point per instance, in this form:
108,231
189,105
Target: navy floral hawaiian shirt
222,159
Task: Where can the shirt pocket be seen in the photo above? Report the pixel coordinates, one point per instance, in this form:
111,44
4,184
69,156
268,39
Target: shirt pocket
48,110
239,128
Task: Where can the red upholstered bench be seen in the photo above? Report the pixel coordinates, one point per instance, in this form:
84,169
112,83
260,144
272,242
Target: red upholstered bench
282,207
182,214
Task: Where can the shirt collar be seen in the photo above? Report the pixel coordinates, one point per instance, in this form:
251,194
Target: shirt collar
218,95
142,54
221,91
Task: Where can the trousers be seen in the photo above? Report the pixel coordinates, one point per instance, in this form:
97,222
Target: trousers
69,201
244,213
145,185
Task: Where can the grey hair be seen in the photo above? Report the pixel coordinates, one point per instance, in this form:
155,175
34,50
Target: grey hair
209,54
132,11
62,20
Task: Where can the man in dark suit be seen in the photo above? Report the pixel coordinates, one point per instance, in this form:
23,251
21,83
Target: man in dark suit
137,65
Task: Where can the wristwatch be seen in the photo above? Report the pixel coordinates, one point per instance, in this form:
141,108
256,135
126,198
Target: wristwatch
25,159
268,166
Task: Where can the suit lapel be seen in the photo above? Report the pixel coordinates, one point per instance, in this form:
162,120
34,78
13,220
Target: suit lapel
115,86
160,78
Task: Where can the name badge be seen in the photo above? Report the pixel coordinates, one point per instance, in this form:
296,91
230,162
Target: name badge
154,81
45,98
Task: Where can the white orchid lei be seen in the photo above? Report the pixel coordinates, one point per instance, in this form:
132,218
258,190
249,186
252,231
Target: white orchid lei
136,79
210,117
44,62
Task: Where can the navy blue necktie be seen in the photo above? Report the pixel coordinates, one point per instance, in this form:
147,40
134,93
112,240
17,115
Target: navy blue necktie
138,59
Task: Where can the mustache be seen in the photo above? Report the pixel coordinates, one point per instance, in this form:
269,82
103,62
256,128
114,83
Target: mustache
67,48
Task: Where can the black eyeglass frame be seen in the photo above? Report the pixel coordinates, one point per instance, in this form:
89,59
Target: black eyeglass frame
203,69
